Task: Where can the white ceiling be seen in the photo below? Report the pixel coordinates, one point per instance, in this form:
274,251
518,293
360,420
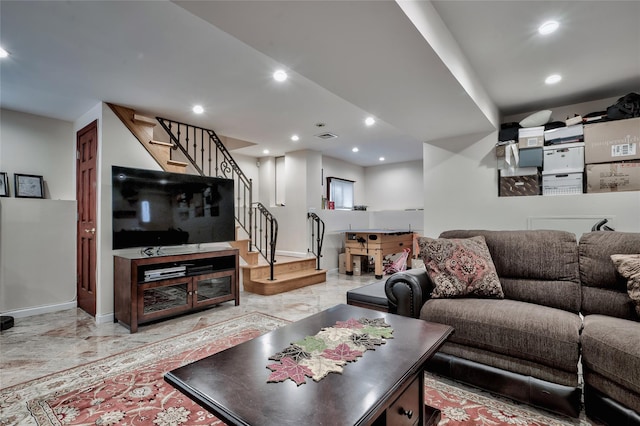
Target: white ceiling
425,70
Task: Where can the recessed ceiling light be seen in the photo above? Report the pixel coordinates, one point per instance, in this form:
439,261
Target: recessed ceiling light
280,76
295,138
548,27
3,53
381,158
266,151
198,109
355,149
553,79
370,121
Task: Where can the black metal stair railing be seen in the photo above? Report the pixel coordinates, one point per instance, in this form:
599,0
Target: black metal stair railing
265,235
204,151
317,236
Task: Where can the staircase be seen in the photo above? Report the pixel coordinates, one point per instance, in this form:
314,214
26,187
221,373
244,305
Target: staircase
182,148
143,129
289,274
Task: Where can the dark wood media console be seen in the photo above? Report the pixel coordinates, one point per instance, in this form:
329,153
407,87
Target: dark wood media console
151,288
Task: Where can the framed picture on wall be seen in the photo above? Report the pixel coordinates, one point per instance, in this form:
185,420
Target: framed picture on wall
29,186
4,185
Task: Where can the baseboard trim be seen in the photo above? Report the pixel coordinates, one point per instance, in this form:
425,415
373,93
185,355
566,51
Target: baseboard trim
29,312
105,318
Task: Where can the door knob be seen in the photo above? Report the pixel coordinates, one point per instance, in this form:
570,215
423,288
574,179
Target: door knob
90,231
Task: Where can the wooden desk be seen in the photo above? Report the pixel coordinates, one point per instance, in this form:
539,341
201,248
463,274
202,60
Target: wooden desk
376,243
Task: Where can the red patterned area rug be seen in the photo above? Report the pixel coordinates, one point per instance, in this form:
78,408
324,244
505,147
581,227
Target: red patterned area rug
129,389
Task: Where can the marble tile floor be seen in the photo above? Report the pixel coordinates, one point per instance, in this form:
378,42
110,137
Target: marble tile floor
44,344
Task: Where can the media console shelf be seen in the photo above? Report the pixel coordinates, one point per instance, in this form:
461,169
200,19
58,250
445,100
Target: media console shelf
151,288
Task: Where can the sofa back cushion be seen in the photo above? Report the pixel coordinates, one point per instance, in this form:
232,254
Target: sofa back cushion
604,291
536,266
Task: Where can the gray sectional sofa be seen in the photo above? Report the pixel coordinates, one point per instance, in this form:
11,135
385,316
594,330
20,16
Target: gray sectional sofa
611,334
563,306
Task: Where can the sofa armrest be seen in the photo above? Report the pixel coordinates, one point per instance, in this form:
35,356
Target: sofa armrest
407,291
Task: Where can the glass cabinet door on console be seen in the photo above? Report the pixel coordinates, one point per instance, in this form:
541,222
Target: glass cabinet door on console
157,299
209,288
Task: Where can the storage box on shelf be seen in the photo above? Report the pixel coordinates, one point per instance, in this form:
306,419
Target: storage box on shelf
531,157
612,141
531,137
562,135
562,184
524,181
613,177
564,158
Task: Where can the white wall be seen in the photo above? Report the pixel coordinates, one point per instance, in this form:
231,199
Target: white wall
394,186
37,255
35,145
37,236
250,169
460,191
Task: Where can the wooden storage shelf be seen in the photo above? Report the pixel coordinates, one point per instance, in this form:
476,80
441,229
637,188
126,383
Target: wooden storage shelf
151,288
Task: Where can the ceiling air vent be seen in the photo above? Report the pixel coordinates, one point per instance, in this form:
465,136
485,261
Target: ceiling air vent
326,136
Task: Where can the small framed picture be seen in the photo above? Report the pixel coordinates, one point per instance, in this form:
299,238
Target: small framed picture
4,185
29,186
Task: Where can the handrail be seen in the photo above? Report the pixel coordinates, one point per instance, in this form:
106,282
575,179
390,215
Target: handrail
267,234
197,145
315,220
207,154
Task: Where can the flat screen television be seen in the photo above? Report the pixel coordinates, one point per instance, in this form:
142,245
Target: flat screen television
156,208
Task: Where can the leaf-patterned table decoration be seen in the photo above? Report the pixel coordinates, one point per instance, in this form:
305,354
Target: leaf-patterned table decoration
287,368
329,350
294,352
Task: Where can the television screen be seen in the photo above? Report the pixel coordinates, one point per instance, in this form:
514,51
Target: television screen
155,208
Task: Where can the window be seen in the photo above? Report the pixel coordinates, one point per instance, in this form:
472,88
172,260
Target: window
340,191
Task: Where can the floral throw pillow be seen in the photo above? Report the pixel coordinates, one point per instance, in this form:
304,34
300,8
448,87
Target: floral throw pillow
460,267
628,265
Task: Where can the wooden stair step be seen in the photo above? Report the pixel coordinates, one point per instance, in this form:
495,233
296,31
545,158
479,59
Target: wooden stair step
251,257
284,282
281,267
142,119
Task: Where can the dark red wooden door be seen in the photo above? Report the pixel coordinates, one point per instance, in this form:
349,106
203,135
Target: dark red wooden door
86,168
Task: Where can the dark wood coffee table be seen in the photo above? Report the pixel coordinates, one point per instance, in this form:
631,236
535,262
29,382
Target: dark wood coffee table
383,387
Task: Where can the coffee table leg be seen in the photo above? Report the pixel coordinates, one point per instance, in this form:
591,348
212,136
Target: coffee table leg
431,416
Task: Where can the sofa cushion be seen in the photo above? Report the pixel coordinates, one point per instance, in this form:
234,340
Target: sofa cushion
521,330
611,348
536,266
460,267
628,265
598,274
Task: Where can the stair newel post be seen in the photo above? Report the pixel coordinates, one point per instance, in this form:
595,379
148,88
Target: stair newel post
272,247
201,147
249,210
209,149
319,231
217,162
